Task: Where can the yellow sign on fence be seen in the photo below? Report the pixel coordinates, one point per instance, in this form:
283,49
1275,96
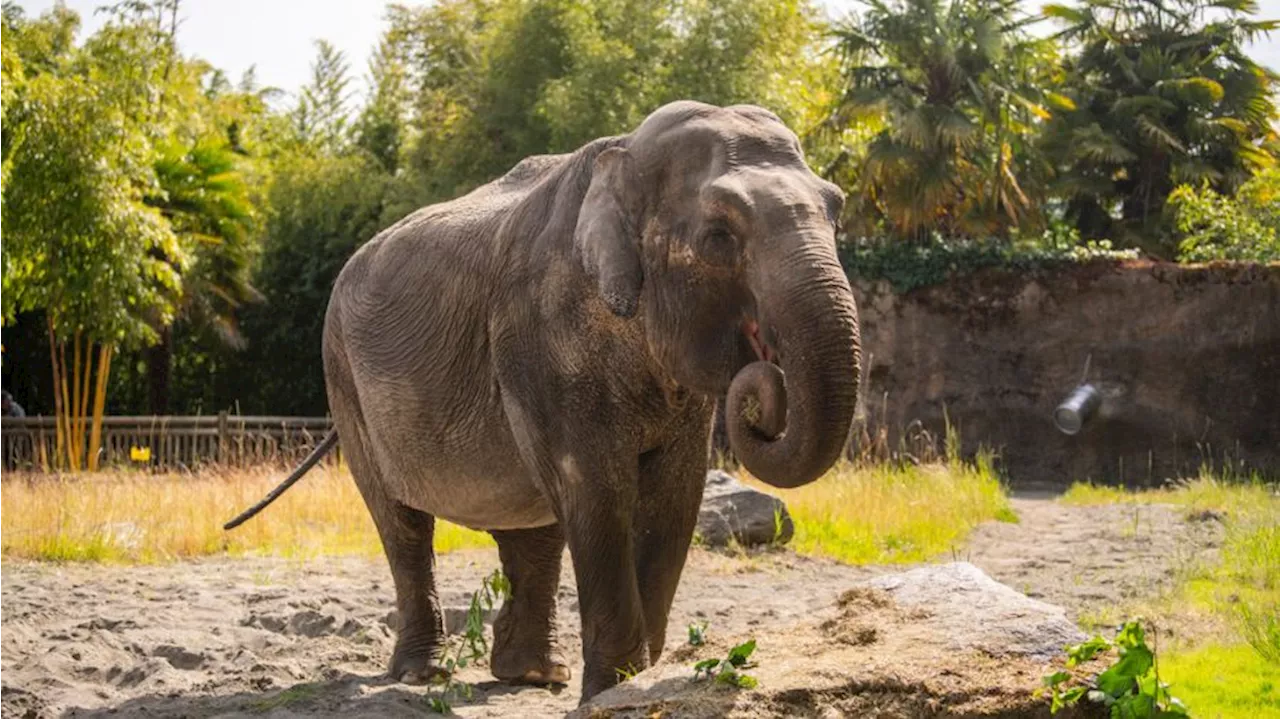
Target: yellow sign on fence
140,454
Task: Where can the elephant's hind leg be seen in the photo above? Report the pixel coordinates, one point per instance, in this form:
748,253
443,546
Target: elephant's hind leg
407,536
524,650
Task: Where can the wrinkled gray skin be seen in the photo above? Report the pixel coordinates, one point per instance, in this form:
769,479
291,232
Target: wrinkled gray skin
538,359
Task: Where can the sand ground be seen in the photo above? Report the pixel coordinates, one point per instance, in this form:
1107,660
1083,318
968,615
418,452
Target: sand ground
272,637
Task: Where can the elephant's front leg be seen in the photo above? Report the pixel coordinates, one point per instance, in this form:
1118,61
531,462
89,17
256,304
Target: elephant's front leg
671,483
524,650
599,532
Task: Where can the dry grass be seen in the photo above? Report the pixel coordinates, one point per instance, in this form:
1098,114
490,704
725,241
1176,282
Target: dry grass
135,517
890,513
877,514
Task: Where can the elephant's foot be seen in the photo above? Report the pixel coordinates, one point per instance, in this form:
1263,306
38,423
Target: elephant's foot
415,665
517,665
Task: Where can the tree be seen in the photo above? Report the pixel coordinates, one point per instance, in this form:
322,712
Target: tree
204,198
76,221
948,91
1158,93
380,128
320,118
498,80
80,243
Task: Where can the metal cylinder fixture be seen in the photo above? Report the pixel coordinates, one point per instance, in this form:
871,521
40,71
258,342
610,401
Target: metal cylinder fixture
1077,408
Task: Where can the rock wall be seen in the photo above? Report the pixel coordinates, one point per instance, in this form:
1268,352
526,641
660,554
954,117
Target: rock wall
1187,358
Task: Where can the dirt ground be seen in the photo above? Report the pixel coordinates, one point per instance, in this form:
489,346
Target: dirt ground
283,638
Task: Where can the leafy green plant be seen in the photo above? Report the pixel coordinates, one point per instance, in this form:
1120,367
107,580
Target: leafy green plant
697,633
729,670
1244,226
1129,688
907,266
470,648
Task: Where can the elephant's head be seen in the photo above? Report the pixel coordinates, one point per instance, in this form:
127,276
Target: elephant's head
708,222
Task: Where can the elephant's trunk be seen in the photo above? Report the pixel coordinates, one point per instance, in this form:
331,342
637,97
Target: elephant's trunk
807,296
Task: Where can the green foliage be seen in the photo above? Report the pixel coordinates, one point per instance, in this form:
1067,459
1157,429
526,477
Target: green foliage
1158,94
471,648
950,88
729,670
1245,226
1130,687
909,266
320,118
498,80
78,238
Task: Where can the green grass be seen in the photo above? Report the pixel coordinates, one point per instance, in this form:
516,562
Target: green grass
1228,666
1204,493
1223,682
891,513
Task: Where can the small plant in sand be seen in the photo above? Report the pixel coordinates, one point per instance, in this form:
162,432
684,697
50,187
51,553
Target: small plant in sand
470,648
729,670
1129,687
697,633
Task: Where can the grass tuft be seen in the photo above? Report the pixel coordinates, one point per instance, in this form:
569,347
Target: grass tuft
1223,681
142,518
894,513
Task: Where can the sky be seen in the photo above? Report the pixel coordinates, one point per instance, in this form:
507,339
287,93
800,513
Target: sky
278,36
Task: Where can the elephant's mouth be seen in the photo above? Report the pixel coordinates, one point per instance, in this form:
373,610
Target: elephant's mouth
758,339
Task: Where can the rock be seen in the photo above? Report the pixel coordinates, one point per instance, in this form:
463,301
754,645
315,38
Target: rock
973,611
732,510
942,640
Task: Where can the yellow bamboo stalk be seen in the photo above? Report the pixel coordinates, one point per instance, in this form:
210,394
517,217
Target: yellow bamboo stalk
99,404
77,428
59,388
67,409
85,395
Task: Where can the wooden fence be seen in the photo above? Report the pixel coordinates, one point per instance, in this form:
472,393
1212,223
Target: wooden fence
171,442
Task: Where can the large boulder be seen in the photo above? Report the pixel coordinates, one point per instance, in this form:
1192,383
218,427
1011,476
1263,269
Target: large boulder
941,641
732,511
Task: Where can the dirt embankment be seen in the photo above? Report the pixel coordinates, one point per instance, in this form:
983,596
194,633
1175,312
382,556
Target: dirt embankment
1187,358
279,638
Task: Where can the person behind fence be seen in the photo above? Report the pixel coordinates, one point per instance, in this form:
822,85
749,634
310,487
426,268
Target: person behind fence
11,408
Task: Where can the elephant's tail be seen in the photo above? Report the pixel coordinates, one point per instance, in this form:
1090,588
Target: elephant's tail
328,443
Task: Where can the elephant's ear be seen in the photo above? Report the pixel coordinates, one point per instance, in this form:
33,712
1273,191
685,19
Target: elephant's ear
605,238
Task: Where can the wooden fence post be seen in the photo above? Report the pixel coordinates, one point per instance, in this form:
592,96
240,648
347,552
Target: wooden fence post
224,436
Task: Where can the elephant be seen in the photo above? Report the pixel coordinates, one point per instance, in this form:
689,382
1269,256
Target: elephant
540,359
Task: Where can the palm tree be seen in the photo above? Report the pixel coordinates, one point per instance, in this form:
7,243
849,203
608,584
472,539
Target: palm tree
1158,93
205,198
950,81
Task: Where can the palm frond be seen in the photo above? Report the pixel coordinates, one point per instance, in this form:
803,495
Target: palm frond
1158,134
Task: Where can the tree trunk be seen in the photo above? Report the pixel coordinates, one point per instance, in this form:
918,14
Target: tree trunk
159,368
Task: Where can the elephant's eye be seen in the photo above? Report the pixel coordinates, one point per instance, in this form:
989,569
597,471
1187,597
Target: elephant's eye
719,246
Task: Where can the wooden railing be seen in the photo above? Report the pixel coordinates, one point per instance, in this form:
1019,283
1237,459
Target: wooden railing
29,443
